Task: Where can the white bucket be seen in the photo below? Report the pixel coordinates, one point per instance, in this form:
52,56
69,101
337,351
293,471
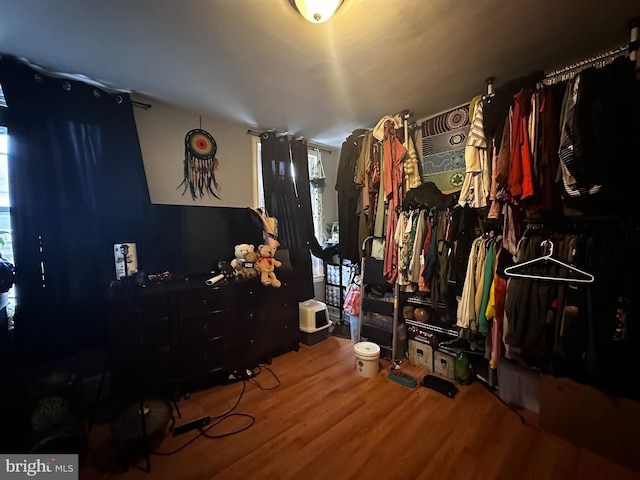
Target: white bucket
367,358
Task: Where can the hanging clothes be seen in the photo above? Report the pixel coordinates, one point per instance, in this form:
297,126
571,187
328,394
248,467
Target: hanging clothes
394,152
348,196
548,145
488,273
416,258
520,172
362,181
475,188
466,313
495,309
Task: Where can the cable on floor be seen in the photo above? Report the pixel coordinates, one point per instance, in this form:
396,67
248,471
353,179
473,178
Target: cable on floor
271,372
219,418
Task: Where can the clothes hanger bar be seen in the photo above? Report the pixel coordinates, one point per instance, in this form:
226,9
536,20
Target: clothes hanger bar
596,61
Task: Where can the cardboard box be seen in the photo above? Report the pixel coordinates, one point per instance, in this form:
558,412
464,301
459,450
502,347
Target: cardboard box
443,363
421,354
591,419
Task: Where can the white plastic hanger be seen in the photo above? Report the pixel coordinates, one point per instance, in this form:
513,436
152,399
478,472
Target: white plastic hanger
584,277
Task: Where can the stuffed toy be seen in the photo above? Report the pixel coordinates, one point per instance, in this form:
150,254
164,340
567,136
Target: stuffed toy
249,269
240,252
266,265
269,228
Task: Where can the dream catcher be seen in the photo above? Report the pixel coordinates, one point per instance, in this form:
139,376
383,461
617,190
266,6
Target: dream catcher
200,164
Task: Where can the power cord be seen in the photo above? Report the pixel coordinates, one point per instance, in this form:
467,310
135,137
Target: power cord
271,372
203,432
222,435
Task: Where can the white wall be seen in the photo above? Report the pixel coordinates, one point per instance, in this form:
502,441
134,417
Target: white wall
162,130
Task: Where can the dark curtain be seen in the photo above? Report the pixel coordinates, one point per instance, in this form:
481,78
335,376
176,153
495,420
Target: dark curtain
289,200
77,186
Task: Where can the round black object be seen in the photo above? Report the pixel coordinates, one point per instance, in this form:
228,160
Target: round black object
55,427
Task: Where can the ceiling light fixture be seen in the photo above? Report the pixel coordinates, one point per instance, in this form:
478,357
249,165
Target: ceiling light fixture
316,11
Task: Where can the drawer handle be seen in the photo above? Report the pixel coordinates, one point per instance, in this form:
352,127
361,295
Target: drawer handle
204,301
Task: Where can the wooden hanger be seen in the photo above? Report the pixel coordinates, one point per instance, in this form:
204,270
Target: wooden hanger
584,277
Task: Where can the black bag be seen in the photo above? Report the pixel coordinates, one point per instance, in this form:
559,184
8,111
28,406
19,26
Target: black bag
428,195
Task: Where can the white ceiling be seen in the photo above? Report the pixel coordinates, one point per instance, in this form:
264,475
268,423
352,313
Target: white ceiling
258,62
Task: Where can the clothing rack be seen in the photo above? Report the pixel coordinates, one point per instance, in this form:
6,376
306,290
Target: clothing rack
310,145
565,73
490,92
569,71
630,49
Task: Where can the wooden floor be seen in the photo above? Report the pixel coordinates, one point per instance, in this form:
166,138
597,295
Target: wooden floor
326,422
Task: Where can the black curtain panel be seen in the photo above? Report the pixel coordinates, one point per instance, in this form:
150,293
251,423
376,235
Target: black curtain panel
300,158
77,187
288,199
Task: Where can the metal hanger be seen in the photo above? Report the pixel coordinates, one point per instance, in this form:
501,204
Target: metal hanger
548,258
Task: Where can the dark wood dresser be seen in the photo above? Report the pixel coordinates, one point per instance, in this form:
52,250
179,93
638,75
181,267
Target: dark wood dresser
185,335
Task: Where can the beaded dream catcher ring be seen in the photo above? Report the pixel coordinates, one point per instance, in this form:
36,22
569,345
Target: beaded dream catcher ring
200,164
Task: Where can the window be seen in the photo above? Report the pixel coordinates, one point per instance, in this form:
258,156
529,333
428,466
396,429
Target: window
317,179
316,176
258,187
6,245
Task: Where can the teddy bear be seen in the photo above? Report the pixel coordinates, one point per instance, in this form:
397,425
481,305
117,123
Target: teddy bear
266,265
249,269
242,266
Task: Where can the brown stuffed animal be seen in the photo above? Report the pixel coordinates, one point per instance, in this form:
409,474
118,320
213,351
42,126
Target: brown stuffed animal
248,268
266,265
244,262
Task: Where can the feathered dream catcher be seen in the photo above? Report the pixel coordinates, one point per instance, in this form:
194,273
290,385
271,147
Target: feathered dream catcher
200,164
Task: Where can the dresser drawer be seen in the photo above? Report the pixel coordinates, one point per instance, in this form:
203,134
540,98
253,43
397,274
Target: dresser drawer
152,306
220,353
197,328
205,301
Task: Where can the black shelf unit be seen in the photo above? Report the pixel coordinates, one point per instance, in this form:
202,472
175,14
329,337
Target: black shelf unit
378,314
440,320
337,278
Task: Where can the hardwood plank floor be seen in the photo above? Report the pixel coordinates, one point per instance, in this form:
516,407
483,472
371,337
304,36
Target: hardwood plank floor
324,421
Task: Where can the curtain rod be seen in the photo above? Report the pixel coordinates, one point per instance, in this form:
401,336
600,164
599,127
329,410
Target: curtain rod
146,106
610,55
310,145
